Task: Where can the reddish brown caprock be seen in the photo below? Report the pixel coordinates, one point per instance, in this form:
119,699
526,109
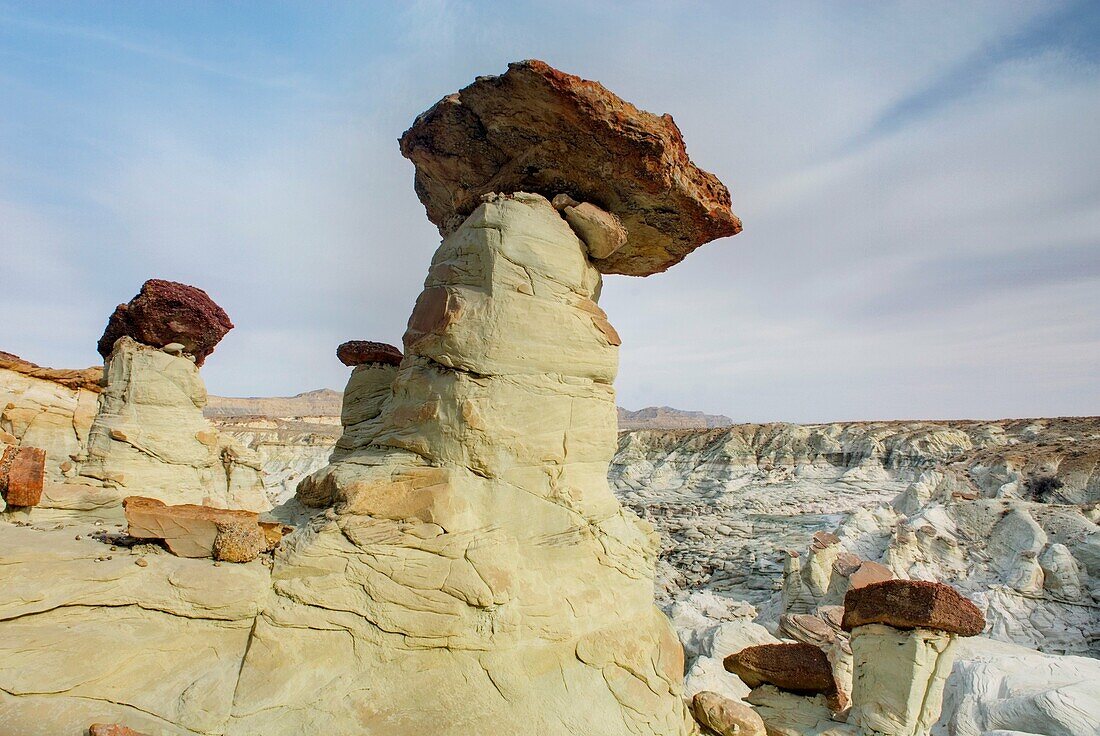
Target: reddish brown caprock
537,129
112,729
797,668
22,475
189,530
166,312
360,352
912,604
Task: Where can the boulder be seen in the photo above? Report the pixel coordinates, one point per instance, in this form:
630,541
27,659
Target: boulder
912,604
112,729
200,531
869,572
360,352
166,312
798,668
22,473
536,129
726,717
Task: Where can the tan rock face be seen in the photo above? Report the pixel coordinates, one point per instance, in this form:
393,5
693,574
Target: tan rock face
537,129
726,717
473,539
912,604
150,438
22,473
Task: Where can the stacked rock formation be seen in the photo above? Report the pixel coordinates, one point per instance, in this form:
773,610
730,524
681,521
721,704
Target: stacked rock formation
374,368
149,436
474,550
903,634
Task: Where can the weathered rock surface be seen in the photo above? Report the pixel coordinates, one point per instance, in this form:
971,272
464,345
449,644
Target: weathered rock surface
536,129
358,352
150,438
912,604
797,668
112,729
726,717
22,473
48,408
201,531
165,313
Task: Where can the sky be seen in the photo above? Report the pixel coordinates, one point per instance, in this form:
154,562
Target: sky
919,184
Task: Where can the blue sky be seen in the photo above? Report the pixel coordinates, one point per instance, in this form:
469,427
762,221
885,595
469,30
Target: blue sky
919,182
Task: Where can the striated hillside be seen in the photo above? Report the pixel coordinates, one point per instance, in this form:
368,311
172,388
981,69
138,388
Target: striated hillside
320,403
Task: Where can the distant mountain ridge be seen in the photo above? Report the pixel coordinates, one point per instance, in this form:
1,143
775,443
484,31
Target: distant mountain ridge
326,402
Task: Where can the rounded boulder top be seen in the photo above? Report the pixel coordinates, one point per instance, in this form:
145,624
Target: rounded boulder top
166,312
360,352
537,129
912,604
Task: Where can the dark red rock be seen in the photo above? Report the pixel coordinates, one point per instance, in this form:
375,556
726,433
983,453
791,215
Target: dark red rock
358,352
22,475
112,729
798,668
912,604
537,129
165,312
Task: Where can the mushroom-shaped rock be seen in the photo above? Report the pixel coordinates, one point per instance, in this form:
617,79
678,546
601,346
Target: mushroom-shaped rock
361,352
912,604
536,129
798,668
166,312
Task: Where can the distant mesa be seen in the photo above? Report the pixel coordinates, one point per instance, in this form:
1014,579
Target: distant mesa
166,312
361,352
537,129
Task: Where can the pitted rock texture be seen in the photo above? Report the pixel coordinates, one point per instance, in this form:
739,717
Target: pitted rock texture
798,668
359,352
166,312
22,473
537,129
912,604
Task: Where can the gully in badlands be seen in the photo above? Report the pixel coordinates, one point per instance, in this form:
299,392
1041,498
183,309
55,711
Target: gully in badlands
473,539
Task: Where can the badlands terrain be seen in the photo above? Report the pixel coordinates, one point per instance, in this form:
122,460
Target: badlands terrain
463,543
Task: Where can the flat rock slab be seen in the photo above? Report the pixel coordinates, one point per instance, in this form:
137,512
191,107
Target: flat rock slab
22,475
166,312
189,530
912,604
361,352
536,129
798,668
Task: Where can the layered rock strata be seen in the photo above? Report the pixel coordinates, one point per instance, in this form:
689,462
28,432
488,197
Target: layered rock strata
150,438
484,489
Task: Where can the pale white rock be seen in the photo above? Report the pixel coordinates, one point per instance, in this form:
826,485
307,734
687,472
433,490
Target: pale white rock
787,714
150,438
898,679
602,232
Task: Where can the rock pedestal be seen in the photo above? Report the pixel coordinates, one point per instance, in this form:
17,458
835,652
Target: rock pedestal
486,576
150,438
903,636
370,385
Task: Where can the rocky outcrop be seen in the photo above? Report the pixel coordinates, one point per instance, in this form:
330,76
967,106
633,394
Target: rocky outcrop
536,129
166,313
150,438
48,408
903,634
726,717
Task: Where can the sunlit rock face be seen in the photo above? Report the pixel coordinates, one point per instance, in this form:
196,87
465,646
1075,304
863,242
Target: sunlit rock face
150,438
474,548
